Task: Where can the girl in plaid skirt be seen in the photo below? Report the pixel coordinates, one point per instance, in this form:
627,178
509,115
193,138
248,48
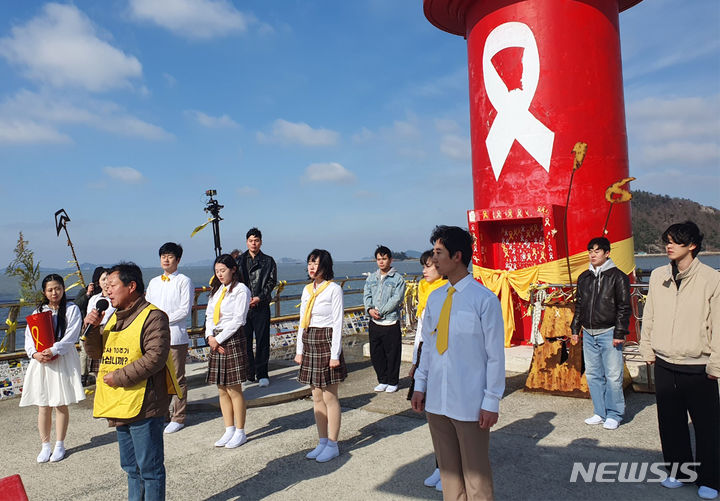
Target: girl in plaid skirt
319,351
226,312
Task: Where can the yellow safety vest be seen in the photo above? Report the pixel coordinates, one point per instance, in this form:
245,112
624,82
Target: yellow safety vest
121,348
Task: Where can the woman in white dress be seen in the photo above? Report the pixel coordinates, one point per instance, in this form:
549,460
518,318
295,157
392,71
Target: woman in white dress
53,376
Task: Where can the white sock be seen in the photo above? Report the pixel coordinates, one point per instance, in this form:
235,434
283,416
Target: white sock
59,452
229,432
330,443
45,452
239,431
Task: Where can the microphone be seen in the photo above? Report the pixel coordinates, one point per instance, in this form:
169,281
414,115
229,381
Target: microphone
100,306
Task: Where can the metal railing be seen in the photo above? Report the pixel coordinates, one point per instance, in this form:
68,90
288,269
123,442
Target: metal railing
285,292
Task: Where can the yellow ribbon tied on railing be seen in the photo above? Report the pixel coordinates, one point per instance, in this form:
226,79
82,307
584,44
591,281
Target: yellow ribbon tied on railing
500,281
11,326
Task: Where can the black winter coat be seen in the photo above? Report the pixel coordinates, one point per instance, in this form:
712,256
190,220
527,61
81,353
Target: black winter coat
602,302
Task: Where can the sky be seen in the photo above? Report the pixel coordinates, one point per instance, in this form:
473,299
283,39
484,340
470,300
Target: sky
339,125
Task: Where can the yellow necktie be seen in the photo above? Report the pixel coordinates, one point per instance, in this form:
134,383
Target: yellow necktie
305,323
165,278
216,312
444,323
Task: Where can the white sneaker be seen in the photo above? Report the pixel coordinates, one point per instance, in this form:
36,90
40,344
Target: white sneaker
329,452
438,486
706,492
611,424
58,454
172,427
313,454
381,387
237,440
595,419
263,382
671,483
45,453
229,432
391,388
433,479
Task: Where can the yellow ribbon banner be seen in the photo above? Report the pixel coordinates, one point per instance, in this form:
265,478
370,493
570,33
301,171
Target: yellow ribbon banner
552,272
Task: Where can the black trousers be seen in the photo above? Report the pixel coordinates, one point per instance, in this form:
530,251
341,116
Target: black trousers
258,325
385,351
679,393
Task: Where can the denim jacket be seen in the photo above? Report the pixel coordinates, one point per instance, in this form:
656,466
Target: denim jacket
385,295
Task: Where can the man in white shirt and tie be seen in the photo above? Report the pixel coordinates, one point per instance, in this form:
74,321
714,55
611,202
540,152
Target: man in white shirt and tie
173,292
461,377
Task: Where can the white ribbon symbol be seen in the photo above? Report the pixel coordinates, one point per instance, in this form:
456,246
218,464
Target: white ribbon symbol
514,120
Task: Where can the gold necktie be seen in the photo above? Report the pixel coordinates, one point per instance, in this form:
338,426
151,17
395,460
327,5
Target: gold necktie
216,312
305,322
165,278
444,323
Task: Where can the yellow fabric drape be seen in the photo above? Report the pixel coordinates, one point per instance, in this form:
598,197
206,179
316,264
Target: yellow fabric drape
555,272
305,321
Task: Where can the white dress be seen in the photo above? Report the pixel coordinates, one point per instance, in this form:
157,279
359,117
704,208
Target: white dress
57,382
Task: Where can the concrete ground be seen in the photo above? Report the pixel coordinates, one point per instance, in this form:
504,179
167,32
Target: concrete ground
385,448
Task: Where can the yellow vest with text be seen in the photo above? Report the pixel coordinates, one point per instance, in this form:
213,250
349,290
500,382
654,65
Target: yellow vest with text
121,348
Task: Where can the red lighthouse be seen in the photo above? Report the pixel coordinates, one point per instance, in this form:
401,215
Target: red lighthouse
543,76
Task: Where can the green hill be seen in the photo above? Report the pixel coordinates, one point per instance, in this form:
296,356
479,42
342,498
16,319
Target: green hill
652,214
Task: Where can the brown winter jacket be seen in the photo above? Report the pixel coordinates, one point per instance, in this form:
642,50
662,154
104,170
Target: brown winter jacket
150,367
682,325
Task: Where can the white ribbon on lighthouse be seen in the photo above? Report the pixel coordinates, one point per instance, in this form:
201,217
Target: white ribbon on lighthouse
514,120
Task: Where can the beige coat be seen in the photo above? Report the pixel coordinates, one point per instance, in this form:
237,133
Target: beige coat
683,326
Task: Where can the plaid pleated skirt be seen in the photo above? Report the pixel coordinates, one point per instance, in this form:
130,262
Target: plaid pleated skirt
315,368
231,368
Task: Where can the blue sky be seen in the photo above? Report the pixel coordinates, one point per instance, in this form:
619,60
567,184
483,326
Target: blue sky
326,124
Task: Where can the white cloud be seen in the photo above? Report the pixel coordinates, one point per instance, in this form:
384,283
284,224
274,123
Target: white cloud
331,172
455,147
674,146
124,174
27,131
198,19
248,191
170,80
47,109
61,47
298,133
363,136
223,121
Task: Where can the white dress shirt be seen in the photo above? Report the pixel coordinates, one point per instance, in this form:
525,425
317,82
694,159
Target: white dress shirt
73,322
92,304
233,312
470,374
175,298
327,312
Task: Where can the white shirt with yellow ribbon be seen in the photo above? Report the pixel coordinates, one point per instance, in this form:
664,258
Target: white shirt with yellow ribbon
327,312
233,312
470,374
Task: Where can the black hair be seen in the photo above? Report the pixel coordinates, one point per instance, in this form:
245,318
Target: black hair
171,248
62,308
325,263
253,232
455,239
684,234
230,262
382,251
129,272
425,256
97,274
602,243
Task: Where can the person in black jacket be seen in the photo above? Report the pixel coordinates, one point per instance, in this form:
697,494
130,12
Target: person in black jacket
602,313
259,272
